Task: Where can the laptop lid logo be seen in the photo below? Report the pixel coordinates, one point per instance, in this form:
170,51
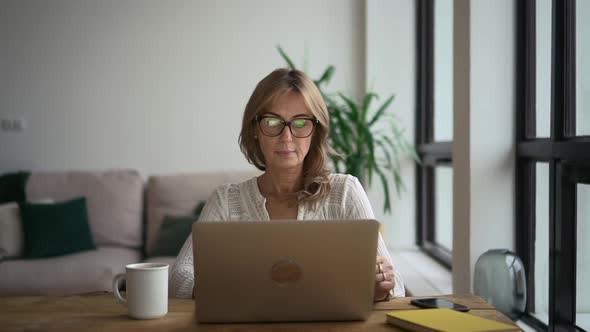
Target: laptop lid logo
285,272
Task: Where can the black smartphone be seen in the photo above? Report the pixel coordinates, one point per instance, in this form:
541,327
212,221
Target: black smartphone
438,303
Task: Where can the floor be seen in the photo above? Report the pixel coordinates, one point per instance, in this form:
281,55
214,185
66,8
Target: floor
422,275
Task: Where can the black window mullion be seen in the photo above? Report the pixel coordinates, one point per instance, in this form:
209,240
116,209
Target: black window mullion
569,67
424,118
433,154
425,215
552,244
425,85
557,79
562,150
526,44
440,151
563,81
570,149
578,173
563,251
525,175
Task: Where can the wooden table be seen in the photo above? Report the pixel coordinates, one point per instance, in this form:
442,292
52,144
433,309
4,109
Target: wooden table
100,312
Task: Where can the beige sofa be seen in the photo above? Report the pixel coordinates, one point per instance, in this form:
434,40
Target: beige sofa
125,214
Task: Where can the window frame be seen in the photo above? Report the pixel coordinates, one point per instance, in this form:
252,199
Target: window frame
568,164
432,153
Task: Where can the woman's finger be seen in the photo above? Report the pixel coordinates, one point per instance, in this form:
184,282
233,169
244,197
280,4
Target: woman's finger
380,276
380,267
384,276
384,286
384,263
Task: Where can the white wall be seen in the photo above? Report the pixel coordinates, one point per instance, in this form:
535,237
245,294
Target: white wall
157,86
483,150
391,54
160,86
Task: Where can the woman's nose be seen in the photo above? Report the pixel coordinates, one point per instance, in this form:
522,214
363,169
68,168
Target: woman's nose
286,135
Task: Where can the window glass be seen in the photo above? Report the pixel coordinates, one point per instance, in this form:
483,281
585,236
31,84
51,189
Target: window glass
543,68
443,70
443,234
582,68
542,243
582,257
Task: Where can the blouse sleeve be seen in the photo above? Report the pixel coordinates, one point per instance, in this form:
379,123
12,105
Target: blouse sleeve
357,206
182,279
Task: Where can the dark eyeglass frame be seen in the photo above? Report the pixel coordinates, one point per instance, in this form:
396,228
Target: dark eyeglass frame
259,118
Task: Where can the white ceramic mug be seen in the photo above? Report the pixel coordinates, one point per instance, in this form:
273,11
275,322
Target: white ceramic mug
146,290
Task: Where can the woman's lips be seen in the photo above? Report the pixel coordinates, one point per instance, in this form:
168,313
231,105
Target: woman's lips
284,152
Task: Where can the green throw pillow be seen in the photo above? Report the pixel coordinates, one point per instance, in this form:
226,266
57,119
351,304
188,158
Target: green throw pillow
56,229
174,231
12,187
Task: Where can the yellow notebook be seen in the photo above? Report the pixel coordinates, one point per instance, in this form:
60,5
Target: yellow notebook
444,320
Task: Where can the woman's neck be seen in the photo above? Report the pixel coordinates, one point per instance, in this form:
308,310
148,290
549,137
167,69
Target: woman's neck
281,183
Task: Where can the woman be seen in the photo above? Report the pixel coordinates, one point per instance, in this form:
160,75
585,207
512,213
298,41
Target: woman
285,134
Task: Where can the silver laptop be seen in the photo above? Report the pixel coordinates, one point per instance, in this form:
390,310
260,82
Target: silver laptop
261,271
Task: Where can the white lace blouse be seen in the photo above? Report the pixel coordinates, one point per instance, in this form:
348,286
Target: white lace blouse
243,201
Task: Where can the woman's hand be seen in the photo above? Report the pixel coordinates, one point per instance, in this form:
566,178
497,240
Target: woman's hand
384,279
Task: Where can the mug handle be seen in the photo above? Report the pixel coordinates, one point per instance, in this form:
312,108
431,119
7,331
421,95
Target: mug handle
116,282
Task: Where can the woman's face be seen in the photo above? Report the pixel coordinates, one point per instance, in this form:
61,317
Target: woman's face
285,150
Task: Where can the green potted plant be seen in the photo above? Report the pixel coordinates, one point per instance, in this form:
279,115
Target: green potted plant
357,133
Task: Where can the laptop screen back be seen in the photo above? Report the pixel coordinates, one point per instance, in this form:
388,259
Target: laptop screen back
284,270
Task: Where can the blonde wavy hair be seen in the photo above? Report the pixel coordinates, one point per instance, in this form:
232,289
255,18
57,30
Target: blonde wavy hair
279,83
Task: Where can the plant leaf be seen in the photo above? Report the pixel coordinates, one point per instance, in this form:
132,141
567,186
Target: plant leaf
411,150
388,163
381,110
326,76
387,203
286,57
342,128
353,108
395,165
397,179
367,142
366,104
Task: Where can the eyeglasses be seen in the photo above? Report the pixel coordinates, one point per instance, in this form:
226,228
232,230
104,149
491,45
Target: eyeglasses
271,125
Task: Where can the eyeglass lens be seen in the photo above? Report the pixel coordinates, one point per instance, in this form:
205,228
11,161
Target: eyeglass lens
273,126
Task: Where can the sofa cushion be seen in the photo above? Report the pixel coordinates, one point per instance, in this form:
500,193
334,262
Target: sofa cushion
114,201
177,195
82,272
174,231
56,229
12,187
11,231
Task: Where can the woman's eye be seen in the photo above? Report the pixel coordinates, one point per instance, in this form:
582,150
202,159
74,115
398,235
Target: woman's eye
299,123
273,122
